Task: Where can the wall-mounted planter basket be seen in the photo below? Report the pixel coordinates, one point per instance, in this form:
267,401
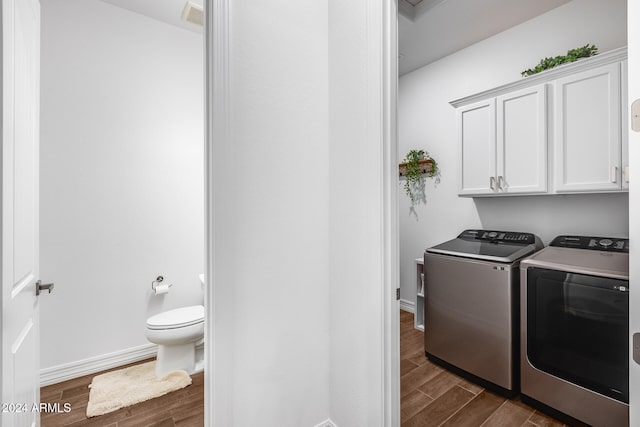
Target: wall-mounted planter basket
426,166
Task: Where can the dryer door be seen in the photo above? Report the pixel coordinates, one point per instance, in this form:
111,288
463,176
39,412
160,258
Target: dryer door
577,329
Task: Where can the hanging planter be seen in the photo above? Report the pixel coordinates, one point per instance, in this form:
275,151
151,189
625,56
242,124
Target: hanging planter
417,165
425,166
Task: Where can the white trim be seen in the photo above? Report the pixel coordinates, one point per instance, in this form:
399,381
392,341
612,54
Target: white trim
406,305
217,19
69,371
326,423
633,93
388,38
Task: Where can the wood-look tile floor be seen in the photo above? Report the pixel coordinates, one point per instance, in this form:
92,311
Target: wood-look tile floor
433,396
181,408
430,396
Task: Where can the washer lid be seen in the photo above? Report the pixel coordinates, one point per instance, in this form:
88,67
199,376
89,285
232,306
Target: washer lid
489,245
177,318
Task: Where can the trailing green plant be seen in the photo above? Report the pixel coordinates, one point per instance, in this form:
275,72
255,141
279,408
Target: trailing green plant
414,175
571,56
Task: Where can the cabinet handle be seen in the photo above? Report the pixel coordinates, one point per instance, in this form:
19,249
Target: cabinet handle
502,181
614,174
626,174
492,183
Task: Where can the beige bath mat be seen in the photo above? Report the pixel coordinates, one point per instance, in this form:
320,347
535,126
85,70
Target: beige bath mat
128,386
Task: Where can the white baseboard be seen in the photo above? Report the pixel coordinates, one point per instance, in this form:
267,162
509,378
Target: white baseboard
68,371
326,423
409,306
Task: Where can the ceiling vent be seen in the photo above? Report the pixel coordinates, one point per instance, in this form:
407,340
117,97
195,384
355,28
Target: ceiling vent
192,12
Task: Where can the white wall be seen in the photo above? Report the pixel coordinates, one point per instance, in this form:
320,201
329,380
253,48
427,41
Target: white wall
122,175
296,240
426,120
270,195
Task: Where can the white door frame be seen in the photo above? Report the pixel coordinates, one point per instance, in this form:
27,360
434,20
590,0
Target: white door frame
217,122
390,217
633,49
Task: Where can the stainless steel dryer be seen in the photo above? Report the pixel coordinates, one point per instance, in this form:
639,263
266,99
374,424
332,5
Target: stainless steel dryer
575,329
471,305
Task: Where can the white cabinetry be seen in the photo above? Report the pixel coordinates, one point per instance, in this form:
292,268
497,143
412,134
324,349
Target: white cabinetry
521,165
559,131
478,145
504,144
588,143
625,125
418,316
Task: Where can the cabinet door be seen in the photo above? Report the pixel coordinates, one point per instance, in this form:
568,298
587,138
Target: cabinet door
587,137
477,136
624,114
522,141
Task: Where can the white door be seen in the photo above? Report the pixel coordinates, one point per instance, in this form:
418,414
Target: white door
521,132
633,40
587,137
477,135
20,138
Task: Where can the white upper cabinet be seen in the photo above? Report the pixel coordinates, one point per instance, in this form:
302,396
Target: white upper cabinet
625,126
477,134
521,165
559,131
587,136
503,142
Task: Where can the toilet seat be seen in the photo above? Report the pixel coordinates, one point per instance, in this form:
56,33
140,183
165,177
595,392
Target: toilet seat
177,318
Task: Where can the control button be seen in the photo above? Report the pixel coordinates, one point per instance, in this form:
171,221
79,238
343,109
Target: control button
592,242
492,235
620,244
605,242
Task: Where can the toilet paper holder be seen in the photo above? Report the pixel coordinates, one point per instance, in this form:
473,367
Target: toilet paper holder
156,282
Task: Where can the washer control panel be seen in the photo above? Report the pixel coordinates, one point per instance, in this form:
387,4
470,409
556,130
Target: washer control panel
494,236
607,244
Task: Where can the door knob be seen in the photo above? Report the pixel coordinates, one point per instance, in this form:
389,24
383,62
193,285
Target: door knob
43,287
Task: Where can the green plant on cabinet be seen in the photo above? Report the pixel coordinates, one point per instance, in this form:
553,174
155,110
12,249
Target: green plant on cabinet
571,56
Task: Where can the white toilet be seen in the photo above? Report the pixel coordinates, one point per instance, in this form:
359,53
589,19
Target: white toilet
178,332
